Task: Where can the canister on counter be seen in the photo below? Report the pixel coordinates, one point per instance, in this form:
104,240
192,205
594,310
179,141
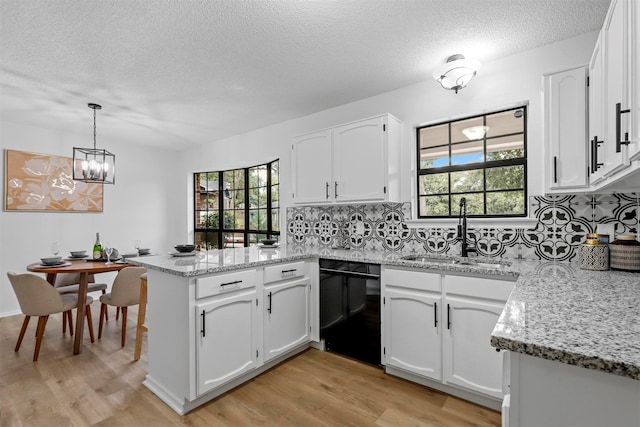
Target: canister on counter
625,253
602,238
594,255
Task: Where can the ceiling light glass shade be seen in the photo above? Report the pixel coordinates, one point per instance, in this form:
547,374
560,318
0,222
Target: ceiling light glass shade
93,164
475,132
456,73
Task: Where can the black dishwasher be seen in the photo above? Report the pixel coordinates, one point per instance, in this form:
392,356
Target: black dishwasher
350,309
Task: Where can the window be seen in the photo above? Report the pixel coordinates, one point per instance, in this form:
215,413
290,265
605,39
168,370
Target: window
481,158
236,207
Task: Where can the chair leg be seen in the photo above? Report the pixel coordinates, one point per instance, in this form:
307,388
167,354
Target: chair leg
142,312
68,316
117,313
124,324
90,322
106,315
25,322
64,322
42,322
103,310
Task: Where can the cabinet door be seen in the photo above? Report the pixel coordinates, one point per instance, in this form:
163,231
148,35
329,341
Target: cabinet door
634,53
596,112
616,84
227,338
412,338
286,317
311,156
566,126
360,160
469,359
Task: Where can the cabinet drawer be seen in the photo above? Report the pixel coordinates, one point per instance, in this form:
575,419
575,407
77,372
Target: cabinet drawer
478,287
225,282
278,272
411,279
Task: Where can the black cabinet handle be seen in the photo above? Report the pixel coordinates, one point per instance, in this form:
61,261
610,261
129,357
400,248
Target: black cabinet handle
202,330
231,283
293,270
435,314
555,169
269,307
335,189
448,316
619,142
327,189
594,154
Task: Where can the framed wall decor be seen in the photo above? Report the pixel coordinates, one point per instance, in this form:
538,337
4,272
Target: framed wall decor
43,183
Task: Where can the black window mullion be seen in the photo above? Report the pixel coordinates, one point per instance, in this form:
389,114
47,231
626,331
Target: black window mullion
220,208
483,166
269,213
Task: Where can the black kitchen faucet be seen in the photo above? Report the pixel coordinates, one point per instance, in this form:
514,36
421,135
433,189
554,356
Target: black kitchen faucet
462,230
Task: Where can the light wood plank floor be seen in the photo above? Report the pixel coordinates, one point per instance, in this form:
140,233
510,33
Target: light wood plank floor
103,387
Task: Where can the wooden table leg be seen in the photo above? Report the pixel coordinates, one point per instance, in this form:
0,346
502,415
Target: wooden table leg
51,278
82,302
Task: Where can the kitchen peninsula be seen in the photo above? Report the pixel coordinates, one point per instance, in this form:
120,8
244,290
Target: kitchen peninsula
557,314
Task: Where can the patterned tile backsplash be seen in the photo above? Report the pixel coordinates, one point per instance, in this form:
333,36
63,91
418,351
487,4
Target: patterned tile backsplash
563,223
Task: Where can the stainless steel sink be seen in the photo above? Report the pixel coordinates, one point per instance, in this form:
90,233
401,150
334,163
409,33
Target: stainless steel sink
482,263
457,261
427,258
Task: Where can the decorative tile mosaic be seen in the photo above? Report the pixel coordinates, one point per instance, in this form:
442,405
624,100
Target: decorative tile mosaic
563,223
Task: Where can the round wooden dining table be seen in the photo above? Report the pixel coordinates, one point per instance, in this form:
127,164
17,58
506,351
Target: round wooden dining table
84,267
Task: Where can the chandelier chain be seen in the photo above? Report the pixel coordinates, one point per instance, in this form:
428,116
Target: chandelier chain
94,128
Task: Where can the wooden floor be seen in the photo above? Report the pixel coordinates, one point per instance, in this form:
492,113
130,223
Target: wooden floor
103,387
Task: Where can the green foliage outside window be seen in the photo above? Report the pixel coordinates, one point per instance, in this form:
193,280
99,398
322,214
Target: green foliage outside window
489,171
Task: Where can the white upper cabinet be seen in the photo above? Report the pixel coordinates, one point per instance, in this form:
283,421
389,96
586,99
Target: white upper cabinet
634,102
311,155
616,85
566,129
358,161
596,112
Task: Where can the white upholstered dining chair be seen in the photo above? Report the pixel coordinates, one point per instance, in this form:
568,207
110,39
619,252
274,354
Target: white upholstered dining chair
125,292
38,298
69,283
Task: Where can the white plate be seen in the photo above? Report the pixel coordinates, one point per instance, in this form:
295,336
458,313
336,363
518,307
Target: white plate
59,264
181,254
262,245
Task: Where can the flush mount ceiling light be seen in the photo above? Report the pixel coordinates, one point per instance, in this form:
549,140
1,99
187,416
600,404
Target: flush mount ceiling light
93,164
475,132
456,73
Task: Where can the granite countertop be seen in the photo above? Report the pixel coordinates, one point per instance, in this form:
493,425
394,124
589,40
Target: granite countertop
556,311
585,318
217,261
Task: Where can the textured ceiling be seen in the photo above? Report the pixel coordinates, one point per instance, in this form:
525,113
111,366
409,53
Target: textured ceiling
177,73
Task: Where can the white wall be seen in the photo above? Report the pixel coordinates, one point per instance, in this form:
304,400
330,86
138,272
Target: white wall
498,84
136,207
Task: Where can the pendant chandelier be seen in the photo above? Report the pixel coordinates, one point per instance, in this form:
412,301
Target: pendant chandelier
93,164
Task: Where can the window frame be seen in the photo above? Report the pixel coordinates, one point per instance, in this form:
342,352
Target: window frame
220,232
483,166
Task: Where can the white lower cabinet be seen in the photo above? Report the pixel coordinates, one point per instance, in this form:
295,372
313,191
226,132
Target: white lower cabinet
439,327
286,316
413,332
469,359
211,333
227,342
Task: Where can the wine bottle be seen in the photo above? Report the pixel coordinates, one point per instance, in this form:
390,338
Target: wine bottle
97,248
